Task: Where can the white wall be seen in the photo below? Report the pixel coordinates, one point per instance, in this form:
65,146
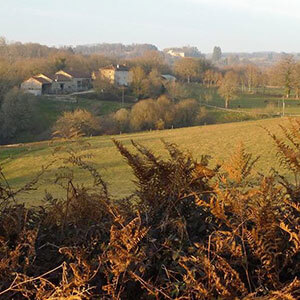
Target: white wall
122,77
32,86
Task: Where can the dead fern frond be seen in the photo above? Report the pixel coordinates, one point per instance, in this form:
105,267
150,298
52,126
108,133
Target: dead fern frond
240,165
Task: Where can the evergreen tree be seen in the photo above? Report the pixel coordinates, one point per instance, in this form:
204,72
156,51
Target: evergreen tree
217,54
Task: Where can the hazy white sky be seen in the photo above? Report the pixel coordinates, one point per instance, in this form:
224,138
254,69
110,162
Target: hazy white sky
235,25
287,8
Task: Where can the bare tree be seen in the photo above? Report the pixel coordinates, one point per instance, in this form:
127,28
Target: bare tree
283,73
252,74
229,87
296,80
186,68
75,124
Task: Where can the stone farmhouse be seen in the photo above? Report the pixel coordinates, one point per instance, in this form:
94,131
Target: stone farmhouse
37,85
62,82
117,74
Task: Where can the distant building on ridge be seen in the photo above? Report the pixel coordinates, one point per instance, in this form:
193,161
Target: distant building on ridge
176,53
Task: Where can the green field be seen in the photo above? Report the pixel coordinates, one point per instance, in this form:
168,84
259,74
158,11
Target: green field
49,109
267,101
22,163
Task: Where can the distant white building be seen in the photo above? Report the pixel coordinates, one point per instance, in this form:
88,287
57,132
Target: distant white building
176,53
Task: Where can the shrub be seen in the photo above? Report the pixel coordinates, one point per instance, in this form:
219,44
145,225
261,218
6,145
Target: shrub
160,124
144,115
18,114
77,123
122,117
186,113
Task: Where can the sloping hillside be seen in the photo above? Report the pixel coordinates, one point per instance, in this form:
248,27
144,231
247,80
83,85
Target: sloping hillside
21,163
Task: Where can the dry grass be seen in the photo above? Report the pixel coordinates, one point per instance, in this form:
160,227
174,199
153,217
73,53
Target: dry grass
23,163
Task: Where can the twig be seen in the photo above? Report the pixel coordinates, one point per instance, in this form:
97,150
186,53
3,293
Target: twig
12,287
149,287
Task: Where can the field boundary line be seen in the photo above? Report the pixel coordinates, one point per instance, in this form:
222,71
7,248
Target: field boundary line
236,110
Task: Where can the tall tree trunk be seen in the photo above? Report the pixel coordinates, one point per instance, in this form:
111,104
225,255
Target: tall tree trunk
226,103
288,92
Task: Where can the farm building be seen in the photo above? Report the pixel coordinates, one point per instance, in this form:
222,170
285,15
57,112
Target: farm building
62,82
70,82
117,74
37,85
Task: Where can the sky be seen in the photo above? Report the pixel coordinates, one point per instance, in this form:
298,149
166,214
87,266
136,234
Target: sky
234,25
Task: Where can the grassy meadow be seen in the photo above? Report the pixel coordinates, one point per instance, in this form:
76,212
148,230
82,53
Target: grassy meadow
268,100
49,109
21,163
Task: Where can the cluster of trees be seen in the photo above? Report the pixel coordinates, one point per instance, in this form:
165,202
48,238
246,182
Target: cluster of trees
20,61
146,85
148,114
286,74
192,69
18,115
160,114
18,50
115,49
